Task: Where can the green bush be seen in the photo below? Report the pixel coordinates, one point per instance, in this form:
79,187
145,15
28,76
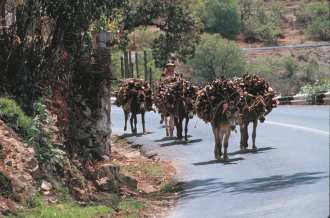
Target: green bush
43,139
14,117
315,19
215,57
220,16
314,92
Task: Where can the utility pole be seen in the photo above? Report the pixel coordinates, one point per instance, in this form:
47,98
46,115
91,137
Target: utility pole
150,78
126,64
122,70
137,64
131,68
145,66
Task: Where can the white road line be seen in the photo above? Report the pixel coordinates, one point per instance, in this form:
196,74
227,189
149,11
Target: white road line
292,126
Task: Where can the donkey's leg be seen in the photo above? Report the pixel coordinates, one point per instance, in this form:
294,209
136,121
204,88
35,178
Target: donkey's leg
186,129
217,153
176,123
225,143
220,137
172,123
126,118
131,122
167,126
179,128
143,122
135,123
246,135
254,133
241,128
161,119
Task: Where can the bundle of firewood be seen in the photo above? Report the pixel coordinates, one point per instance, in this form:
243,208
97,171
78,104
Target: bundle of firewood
213,95
254,89
133,85
252,84
169,91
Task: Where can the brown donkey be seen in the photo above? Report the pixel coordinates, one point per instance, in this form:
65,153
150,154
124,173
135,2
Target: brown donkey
224,121
253,109
135,105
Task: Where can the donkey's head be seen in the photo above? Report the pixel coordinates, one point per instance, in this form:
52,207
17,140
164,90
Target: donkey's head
232,112
270,101
260,108
189,107
141,100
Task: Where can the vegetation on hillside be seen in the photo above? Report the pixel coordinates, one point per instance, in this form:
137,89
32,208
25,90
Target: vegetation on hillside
260,23
288,74
314,18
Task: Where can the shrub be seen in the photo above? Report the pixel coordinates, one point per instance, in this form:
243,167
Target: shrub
215,57
315,19
220,16
316,90
14,117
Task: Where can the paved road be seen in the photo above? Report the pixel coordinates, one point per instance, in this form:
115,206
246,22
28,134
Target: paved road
287,178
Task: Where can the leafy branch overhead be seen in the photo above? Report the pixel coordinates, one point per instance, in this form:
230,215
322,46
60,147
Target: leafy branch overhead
179,28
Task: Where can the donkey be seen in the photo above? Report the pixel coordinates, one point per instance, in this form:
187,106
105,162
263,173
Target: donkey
224,121
183,110
252,109
134,106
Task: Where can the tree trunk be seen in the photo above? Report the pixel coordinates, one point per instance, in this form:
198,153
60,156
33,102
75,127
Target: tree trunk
2,15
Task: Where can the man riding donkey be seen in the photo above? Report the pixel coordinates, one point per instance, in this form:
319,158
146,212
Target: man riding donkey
169,72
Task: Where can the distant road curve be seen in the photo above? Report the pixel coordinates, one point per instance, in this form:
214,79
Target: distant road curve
311,45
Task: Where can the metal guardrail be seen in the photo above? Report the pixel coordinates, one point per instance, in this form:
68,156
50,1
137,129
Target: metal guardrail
320,99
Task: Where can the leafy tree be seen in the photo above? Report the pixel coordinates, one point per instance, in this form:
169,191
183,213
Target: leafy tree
179,30
220,16
216,57
27,53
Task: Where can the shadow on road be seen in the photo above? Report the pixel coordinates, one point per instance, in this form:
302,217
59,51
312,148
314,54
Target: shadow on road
168,139
130,135
182,142
248,151
274,183
225,162
200,188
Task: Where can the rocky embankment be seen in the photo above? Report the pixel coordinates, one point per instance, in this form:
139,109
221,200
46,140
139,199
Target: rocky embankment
17,166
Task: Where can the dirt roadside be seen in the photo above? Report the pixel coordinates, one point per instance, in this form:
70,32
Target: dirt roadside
156,186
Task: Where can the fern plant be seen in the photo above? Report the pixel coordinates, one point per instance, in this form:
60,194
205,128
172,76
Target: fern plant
43,138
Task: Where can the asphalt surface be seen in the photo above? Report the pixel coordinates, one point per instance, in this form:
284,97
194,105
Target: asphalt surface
288,177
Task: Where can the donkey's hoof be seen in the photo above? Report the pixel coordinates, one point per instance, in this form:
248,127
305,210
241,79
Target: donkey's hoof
225,158
217,156
254,148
